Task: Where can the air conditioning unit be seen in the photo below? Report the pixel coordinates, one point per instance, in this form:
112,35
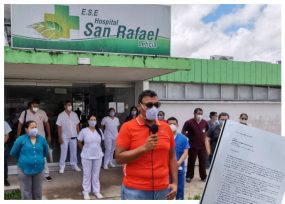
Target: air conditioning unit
221,57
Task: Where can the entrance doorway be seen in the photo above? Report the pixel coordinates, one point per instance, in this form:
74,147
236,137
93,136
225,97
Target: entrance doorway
87,98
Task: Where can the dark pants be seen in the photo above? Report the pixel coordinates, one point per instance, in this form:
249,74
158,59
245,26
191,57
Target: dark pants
6,154
202,156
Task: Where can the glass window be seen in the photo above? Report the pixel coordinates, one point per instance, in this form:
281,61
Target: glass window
176,91
274,93
213,92
194,91
260,93
245,92
229,92
159,88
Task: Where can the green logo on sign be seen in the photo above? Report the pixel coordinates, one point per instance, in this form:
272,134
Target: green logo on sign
57,25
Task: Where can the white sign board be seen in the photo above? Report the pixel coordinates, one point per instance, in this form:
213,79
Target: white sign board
248,167
135,29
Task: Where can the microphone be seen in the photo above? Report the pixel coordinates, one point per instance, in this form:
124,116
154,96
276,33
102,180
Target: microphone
154,128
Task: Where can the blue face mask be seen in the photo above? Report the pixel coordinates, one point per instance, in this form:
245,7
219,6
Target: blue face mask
33,132
112,113
151,114
92,123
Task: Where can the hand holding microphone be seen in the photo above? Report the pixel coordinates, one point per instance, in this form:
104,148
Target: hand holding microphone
152,139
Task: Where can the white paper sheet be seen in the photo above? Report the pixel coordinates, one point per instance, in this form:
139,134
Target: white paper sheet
248,167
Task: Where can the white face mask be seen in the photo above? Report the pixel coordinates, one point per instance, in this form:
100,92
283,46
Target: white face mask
33,132
134,113
160,117
112,113
173,128
92,123
151,114
69,108
199,117
35,109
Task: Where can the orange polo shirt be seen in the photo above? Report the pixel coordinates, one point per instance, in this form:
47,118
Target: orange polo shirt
138,173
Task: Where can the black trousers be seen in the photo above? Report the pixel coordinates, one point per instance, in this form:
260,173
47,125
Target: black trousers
202,156
6,154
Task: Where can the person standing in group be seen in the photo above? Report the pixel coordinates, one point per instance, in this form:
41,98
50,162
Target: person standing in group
91,157
68,129
161,116
243,118
213,119
146,147
134,112
30,150
36,114
195,129
7,130
214,133
110,124
181,149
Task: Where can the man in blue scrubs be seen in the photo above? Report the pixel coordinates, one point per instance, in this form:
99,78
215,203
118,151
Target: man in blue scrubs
181,148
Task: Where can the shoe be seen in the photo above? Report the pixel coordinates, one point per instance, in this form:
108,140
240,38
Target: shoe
112,165
6,183
188,180
105,167
48,178
99,195
86,196
76,168
61,170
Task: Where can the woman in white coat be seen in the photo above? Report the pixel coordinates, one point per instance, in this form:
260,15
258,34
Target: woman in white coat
91,157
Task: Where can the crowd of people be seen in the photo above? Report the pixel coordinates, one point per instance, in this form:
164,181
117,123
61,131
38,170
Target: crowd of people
150,148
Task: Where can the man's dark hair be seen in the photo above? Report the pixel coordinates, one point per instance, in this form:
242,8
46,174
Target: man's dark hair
197,109
224,114
111,109
27,124
162,113
145,93
66,102
35,101
172,118
213,114
243,114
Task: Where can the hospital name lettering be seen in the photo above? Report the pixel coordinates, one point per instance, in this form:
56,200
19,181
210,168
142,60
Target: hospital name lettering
122,32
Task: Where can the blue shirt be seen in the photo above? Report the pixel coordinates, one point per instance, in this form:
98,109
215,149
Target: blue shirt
181,143
30,156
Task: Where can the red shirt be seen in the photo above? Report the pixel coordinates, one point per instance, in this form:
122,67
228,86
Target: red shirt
138,173
196,133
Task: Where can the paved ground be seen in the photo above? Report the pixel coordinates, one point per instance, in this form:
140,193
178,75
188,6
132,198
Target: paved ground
68,185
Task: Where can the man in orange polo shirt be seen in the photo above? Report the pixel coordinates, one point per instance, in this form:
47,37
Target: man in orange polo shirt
148,157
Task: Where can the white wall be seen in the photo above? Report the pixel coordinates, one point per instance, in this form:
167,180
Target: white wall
263,115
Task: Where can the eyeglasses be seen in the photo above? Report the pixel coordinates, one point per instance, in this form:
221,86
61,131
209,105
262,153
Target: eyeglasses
244,118
150,105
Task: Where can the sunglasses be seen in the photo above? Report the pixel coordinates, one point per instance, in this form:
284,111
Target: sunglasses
150,105
244,118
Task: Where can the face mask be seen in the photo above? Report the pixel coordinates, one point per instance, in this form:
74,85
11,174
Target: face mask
69,108
35,109
173,127
112,113
221,122
243,121
151,114
134,112
199,117
92,123
33,132
160,117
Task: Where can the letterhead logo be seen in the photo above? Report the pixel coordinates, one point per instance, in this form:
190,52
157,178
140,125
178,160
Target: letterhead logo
57,25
